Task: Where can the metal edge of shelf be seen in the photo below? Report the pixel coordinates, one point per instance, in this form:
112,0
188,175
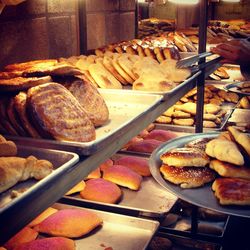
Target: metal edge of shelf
42,199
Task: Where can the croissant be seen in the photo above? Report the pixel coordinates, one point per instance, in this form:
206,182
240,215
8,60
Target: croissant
15,169
7,148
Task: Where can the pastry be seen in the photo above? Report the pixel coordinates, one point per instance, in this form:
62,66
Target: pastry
101,190
185,157
57,114
77,188
198,143
24,235
163,119
187,177
183,121
144,146
161,135
232,191
123,176
71,223
226,169
181,114
14,169
106,164
52,243
224,150
137,164
188,107
7,148
94,174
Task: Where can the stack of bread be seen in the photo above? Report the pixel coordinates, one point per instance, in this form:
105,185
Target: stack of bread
15,169
50,99
112,70
184,111
103,184
62,226
202,161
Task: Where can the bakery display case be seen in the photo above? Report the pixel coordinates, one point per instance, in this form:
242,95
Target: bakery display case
85,99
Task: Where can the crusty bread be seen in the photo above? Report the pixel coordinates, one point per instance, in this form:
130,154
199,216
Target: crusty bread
42,216
22,83
187,177
72,223
232,191
56,113
101,190
224,150
52,243
226,169
137,164
123,176
185,157
26,234
20,105
14,169
180,114
90,99
240,138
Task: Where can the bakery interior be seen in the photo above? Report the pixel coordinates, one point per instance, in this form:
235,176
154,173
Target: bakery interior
114,134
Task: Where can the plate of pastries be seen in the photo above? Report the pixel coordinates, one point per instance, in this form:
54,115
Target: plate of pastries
207,169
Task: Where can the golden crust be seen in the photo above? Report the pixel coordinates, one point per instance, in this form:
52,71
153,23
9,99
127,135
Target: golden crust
58,114
232,191
187,177
185,157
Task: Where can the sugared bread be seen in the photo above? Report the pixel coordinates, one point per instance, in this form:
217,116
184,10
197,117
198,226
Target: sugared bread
123,176
101,190
185,157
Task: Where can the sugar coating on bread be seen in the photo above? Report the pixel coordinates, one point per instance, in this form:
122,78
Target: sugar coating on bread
26,234
70,223
187,177
185,157
224,150
137,164
101,190
53,243
42,216
123,176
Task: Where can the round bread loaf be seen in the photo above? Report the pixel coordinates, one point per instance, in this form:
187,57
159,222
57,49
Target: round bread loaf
123,176
101,190
108,163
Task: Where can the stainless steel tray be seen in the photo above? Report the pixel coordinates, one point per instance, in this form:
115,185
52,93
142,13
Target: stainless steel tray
240,116
15,212
150,201
126,108
234,87
117,232
196,195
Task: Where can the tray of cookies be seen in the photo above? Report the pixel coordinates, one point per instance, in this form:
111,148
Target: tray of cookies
208,165
218,107
65,226
129,188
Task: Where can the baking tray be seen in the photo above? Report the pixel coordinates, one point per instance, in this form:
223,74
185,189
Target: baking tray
126,108
14,212
196,195
117,232
151,200
234,87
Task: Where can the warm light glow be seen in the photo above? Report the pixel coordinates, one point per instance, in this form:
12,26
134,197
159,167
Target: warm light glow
184,1
231,1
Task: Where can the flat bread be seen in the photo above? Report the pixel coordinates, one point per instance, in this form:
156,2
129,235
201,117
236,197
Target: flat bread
188,177
103,77
232,191
57,114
